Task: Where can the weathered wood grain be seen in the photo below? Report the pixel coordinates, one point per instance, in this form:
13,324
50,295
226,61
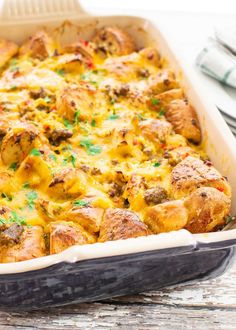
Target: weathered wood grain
204,305
219,293
137,316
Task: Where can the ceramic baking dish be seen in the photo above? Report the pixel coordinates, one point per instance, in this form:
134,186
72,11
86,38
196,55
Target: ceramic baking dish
103,270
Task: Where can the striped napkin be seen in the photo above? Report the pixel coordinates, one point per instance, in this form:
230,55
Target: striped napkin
218,62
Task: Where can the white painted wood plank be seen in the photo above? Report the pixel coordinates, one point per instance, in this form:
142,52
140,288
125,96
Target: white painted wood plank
205,305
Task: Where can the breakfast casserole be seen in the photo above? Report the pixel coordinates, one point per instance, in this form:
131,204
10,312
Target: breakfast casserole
98,143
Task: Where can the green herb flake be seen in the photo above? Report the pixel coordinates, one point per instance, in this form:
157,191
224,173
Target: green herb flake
93,122
67,123
13,62
31,196
86,143
156,164
94,150
113,117
53,157
16,218
155,101
26,185
35,152
60,72
90,147
80,202
13,166
71,158
86,76
140,117
76,116
7,197
47,99
13,88
14,69
162,112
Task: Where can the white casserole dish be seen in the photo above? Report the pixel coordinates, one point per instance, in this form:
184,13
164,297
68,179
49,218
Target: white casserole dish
19,20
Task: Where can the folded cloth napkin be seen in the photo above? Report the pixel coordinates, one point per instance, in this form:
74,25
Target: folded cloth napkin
218,62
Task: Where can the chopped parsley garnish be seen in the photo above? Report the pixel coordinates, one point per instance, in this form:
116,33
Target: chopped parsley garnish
13,88
140,116
113,117
13,61
113,101
26,185
53,157
31,196
67,123
162,112
155,101
14,218
71,158
4,195
47,99
156,164
76,116
14,69
86,76
93,122
13,166
61,72
93,82
80,202
94,150
90,147
35,152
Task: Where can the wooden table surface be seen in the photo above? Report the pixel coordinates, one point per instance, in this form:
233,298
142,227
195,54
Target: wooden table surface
209,305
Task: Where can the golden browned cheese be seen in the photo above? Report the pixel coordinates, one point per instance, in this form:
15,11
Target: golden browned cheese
183,117
98,142
113,41
155,130
69,182
163,99
193,173
65,234
166,217
71,99
204,210
151,55
39,46
89,218
176,155
163,81
31,246
207,208
121,224
18,142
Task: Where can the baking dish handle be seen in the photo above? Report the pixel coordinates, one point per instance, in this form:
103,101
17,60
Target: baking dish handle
37,9
217,240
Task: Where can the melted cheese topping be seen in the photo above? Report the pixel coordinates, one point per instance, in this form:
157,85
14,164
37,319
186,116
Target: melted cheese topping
93,133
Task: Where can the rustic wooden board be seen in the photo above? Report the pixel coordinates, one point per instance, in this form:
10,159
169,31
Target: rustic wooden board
204,305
